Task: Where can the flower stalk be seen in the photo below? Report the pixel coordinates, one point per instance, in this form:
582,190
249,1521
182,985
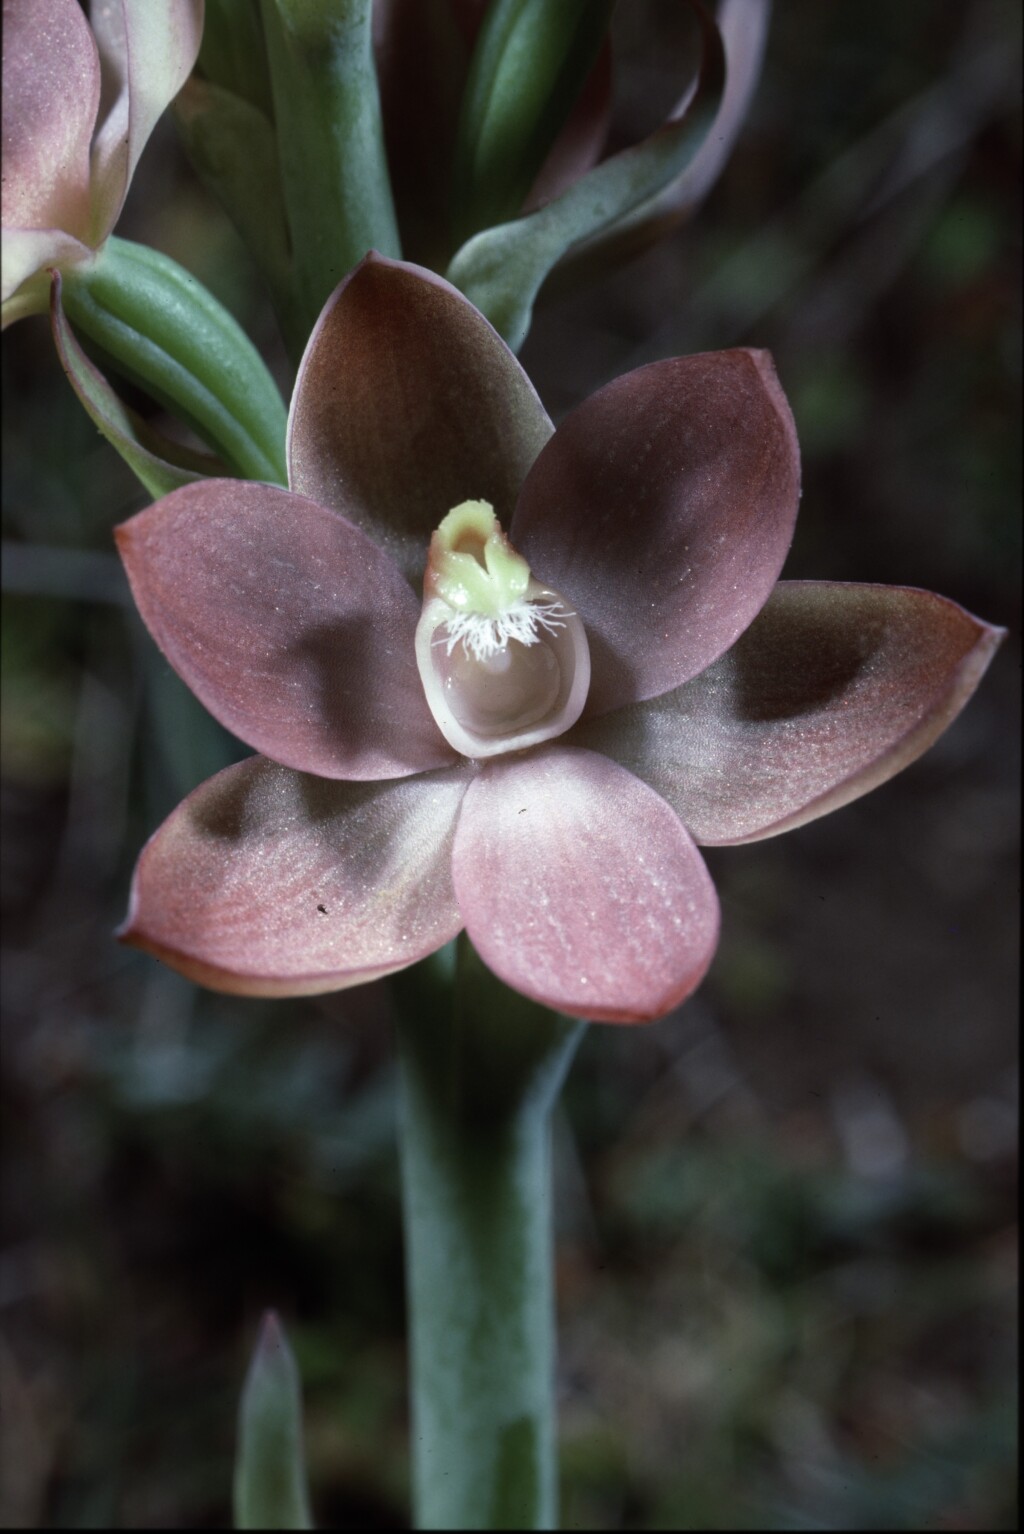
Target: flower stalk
481,1068
331,143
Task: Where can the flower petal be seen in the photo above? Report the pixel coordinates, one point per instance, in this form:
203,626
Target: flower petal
407,403
293,627
267,882
51,94
831,691
26,253
148,52
580,887
663,509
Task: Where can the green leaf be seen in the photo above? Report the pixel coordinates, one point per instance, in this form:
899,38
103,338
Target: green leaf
157,326
501,269
743,25
161,465
270,1476
233,150
529,65
233,52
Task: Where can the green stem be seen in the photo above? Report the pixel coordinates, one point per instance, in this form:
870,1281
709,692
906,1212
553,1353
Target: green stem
159,327
330,142
479,1080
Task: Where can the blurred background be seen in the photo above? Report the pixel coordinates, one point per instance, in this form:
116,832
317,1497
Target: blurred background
787,1243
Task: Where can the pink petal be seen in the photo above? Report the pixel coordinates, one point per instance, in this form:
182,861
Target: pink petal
407,404
663,509
831,690
51,80
293,627
147,52
581,888
266,882
26,253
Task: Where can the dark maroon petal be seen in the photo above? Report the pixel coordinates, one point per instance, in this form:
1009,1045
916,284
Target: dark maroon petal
580,887
408,403
832,690
663,509
294,628
267,882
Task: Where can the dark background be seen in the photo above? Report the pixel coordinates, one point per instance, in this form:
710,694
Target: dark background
787,1231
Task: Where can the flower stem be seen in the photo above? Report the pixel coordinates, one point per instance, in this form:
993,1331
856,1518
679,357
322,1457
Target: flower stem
480,1073
330,139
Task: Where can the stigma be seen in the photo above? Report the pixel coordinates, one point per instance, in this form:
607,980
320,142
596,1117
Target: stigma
503,659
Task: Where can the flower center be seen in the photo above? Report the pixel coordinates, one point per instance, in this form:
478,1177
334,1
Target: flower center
504,660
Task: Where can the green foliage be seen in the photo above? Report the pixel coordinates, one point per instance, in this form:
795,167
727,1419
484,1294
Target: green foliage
161,329
270,1476
529,65
331,146
501,269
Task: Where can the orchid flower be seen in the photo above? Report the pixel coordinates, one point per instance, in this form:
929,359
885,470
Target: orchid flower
69,157
604,670
79,105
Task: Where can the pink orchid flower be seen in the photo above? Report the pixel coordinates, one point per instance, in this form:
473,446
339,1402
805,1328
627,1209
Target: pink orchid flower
603,671
79,104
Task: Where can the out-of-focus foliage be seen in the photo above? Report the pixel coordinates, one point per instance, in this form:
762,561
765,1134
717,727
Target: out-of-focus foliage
787,1215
